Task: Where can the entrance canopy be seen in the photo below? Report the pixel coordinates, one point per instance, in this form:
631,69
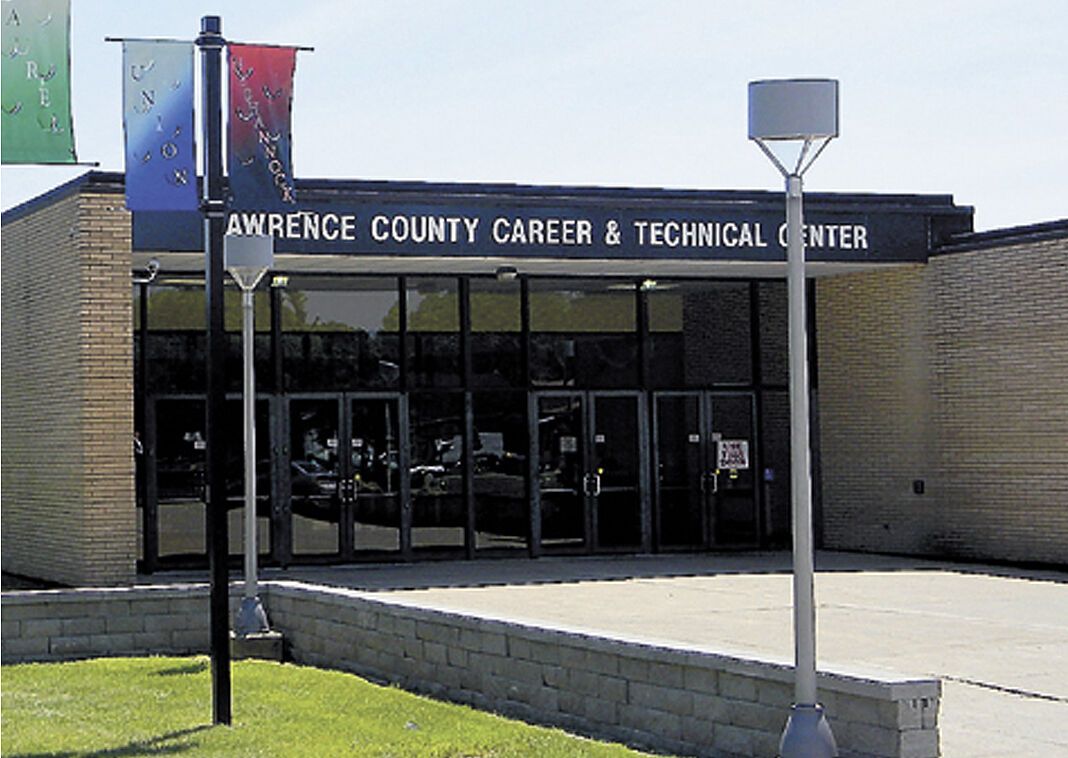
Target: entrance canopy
400,227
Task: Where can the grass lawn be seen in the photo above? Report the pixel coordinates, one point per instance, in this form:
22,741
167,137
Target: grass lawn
119,707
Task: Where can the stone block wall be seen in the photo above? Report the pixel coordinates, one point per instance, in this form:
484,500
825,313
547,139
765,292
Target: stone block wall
67,420
686,701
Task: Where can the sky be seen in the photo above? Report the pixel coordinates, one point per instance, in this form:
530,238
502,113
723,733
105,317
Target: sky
963,98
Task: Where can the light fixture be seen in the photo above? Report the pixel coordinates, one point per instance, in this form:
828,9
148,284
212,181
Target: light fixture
793,120
506,273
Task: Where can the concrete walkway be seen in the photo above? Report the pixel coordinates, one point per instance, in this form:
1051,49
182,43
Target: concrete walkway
997,637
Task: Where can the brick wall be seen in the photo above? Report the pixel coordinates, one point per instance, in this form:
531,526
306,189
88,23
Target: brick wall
67,488
953,374
687,701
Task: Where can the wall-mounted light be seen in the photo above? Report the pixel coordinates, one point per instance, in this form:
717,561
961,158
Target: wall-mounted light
506,273
149,275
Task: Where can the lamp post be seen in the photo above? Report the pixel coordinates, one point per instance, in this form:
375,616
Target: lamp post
248,259
792,121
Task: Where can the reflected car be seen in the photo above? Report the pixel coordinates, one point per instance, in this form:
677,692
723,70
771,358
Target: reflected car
311,478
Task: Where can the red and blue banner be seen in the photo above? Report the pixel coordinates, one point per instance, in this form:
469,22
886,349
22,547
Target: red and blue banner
261,98
157,95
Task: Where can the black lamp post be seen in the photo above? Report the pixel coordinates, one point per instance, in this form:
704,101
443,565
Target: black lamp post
213,207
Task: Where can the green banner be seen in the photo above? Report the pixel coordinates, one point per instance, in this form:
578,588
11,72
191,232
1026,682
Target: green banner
37,125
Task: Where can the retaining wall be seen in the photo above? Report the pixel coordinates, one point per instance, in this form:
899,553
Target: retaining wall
683,700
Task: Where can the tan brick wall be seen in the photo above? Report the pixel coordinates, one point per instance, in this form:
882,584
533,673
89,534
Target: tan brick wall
67,485
955,373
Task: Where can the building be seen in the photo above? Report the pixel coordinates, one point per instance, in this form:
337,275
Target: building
458,371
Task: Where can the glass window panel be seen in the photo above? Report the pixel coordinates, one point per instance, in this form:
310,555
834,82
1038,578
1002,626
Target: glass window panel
340,333
495,306
562,471
582,306
502,511
583,333
314,473
176,307
439,509
374,467
496,344
700,334
235,476
434,332
179,459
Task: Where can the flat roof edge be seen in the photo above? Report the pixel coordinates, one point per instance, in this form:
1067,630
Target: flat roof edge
114,181
103,181
1015,235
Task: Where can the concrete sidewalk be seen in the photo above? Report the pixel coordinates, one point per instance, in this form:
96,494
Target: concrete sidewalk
997,637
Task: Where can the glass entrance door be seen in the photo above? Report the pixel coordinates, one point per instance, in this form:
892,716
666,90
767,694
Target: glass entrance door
705,459
344,482
375,484
590,471
732,461
314,475
682,508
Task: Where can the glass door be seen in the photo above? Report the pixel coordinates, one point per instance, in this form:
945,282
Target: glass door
679,458
732,460
590,481
176,453
705,462
616,442
313,479
375,485
562,470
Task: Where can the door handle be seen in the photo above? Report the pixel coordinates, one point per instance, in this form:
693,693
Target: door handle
591,485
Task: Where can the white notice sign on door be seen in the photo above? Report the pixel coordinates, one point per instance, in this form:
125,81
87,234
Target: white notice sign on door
732,454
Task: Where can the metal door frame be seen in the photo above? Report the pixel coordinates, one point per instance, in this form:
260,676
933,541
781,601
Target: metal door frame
754,463
404,504
703,426
708,482
589,503
282,457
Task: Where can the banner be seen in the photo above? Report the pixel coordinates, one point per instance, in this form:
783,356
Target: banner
261,97
157,116
37,124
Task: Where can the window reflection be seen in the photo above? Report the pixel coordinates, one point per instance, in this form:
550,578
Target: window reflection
583,333
502,515
699,334
340,333
496,322
433,310
439,511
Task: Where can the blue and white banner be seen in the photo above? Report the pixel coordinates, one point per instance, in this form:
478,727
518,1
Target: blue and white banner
157,96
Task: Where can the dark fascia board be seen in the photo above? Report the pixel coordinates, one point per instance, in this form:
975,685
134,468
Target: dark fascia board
325,188
113,182
1015,235
946,221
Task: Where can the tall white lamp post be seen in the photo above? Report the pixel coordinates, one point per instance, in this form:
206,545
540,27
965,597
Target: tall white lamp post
248,259
792,121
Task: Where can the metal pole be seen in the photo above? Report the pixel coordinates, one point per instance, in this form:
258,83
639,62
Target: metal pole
800,466
249,397
251,617
211,44
807,733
